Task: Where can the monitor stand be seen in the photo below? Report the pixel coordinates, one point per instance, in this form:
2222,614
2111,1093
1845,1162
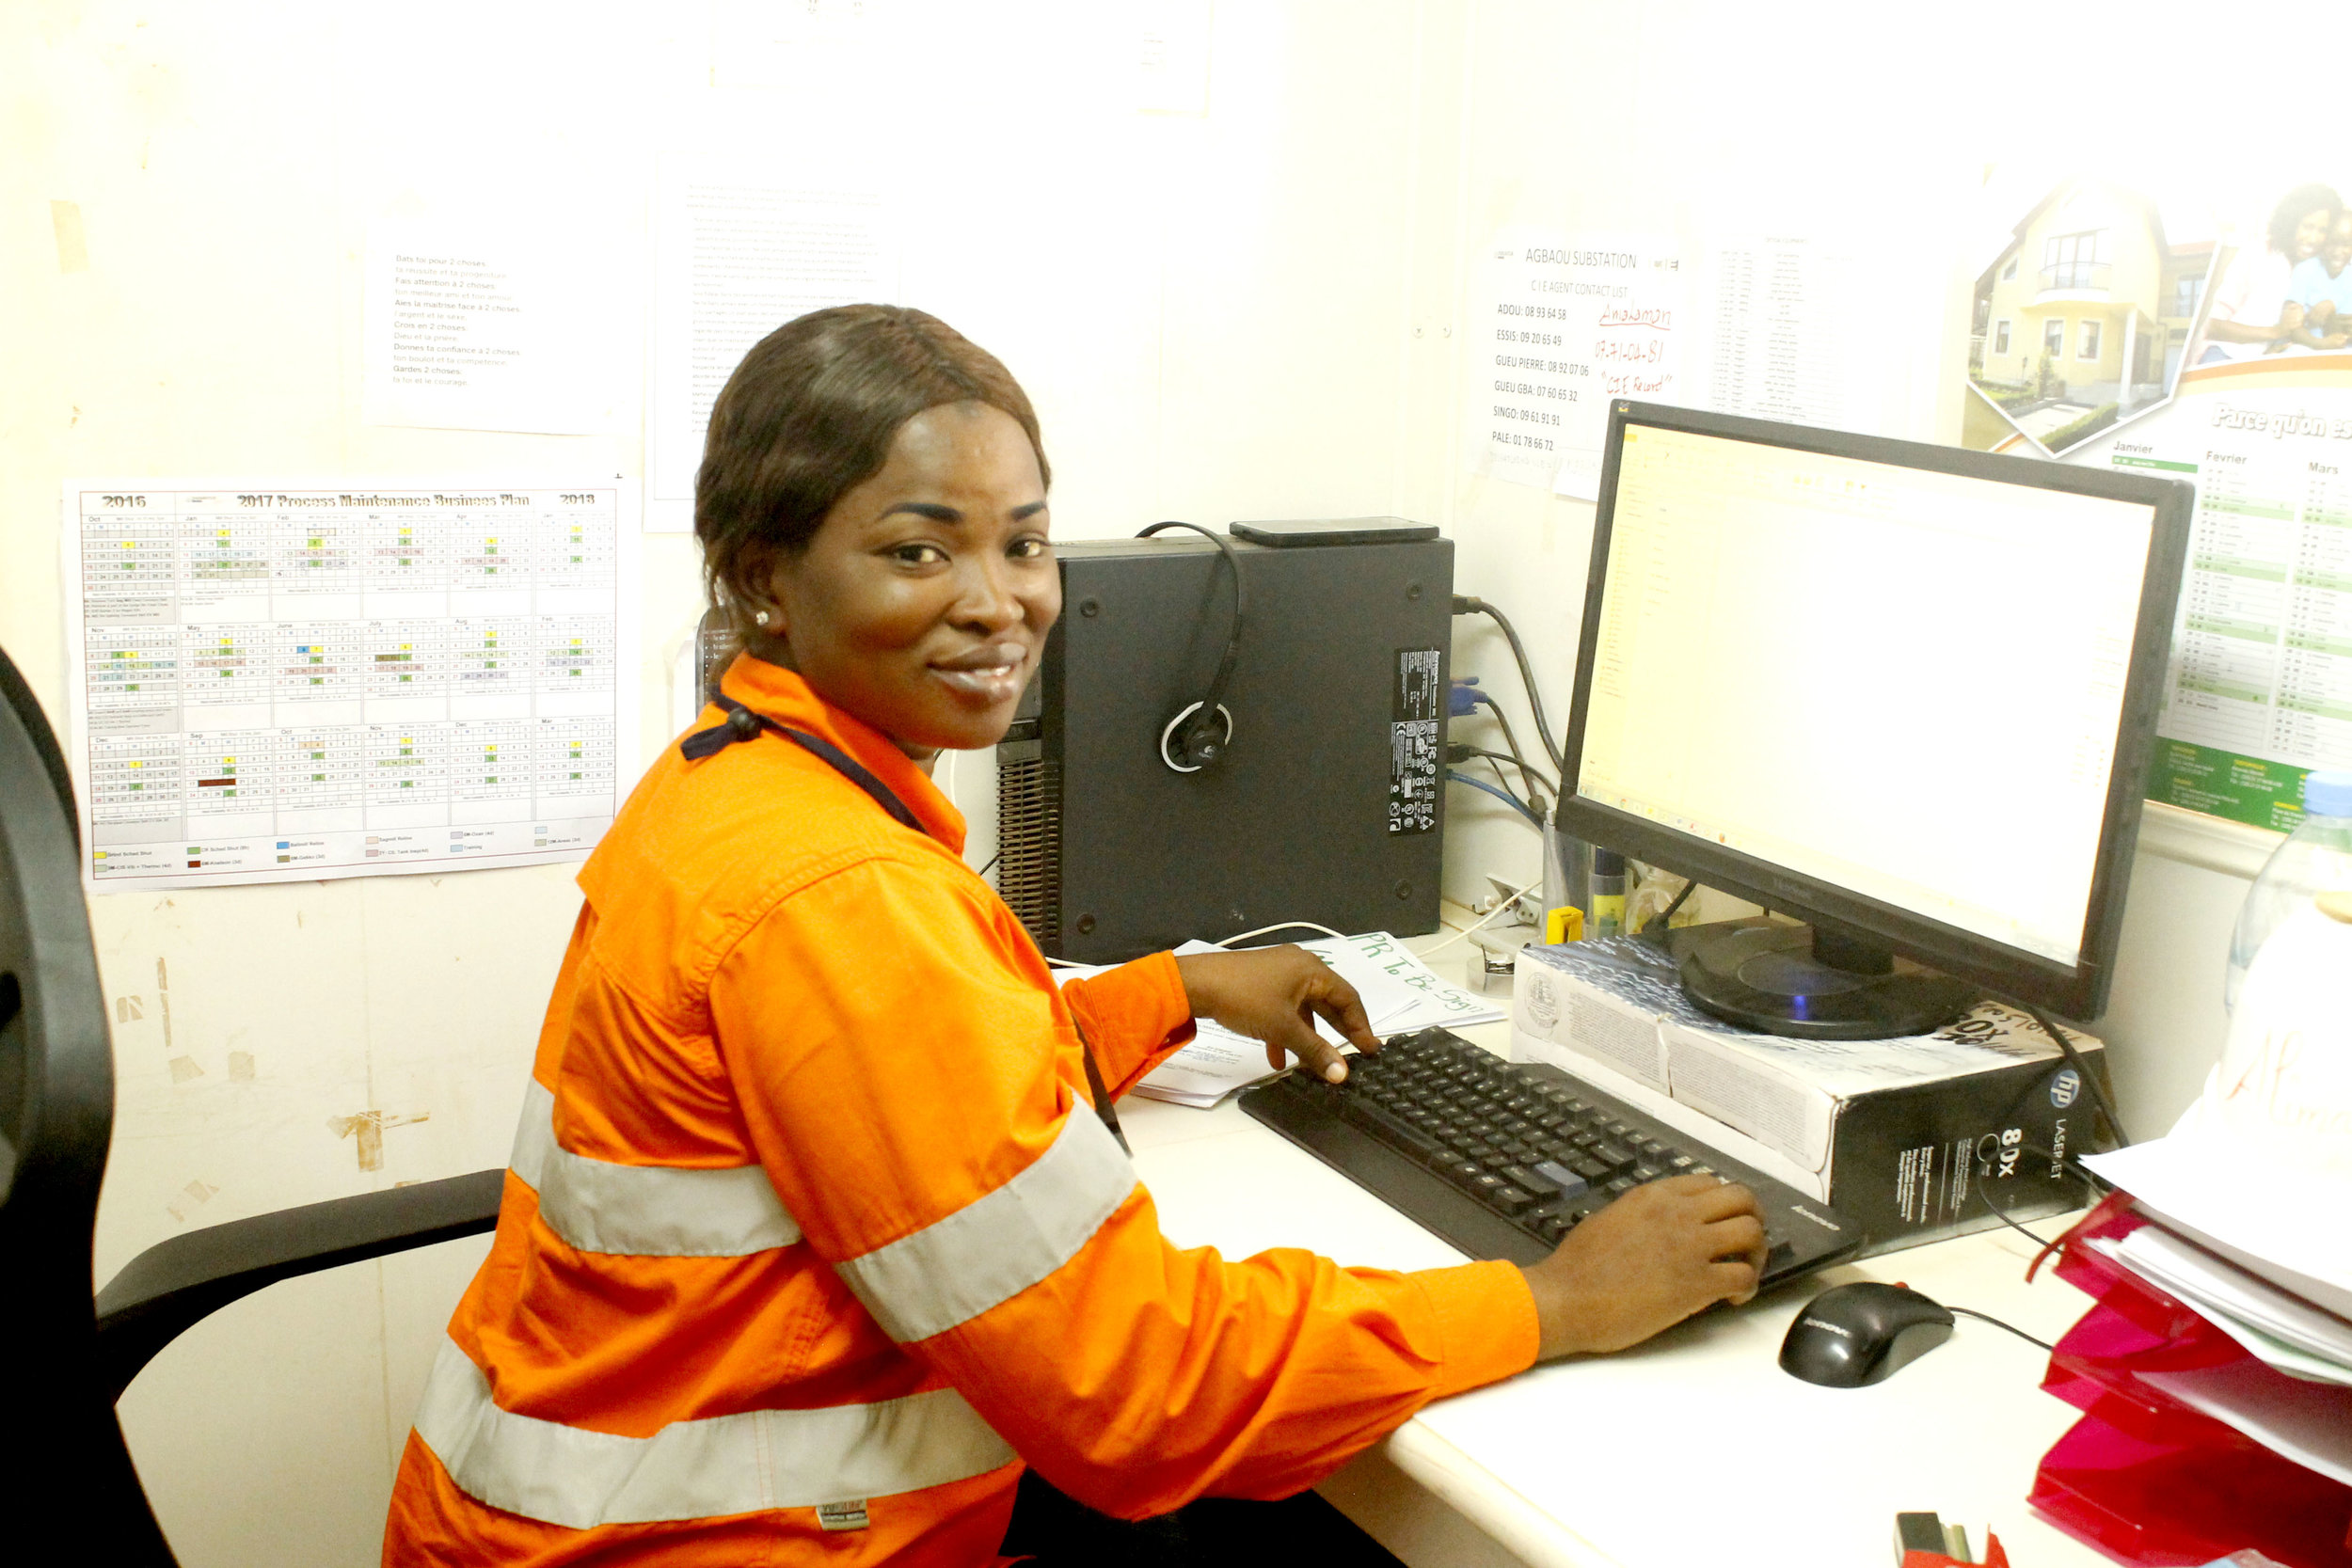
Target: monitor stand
1795,980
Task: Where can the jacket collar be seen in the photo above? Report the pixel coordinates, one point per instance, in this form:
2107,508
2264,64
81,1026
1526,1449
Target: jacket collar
781,694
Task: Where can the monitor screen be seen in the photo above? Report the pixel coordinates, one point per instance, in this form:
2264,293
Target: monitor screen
1857,678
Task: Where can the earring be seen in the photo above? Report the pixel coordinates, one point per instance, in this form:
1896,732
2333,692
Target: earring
760,617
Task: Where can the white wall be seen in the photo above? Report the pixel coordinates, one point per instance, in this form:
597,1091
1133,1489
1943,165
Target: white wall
1251,314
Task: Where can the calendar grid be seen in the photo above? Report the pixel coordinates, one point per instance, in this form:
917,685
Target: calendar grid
277,681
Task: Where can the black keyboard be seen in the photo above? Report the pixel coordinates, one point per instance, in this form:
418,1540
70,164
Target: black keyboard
1503,1159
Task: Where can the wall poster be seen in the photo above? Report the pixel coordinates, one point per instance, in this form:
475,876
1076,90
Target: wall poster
2205,333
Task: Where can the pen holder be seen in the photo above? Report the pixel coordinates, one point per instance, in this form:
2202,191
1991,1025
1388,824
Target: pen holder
1567,883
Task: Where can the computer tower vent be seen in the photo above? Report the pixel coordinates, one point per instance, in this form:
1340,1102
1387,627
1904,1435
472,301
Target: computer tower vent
1028,845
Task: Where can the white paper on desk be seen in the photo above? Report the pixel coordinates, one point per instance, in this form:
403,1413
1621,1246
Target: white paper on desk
1215,1063
738,252
468,328
2292,1219
1377,964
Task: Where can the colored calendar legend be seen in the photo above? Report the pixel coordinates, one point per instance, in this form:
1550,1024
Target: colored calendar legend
276,680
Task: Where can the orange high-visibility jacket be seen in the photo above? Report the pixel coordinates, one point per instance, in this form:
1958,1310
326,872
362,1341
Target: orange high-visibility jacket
813,1236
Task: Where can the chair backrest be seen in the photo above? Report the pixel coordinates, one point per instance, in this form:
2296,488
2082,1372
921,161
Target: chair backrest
57,1114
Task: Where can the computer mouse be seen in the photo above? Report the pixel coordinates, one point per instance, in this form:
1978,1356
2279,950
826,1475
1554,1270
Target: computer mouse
1854,1335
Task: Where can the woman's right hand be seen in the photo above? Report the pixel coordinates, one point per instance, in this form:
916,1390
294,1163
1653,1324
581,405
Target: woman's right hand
1662,1251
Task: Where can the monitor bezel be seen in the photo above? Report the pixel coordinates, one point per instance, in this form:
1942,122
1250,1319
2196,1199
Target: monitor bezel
2076,990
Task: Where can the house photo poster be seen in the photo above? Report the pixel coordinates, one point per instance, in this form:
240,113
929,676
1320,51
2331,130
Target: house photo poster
2196,326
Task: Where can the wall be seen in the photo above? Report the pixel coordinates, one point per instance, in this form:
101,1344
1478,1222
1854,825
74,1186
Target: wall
1215,315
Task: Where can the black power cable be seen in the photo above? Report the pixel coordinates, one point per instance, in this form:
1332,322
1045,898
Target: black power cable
1196,741
1528,771
2074,1060
1532,778
1465,604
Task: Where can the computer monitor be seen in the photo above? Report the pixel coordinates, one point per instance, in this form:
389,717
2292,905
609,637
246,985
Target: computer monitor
1904,693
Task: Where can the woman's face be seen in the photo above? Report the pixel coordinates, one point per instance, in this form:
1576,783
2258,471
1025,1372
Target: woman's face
922,601
2310,232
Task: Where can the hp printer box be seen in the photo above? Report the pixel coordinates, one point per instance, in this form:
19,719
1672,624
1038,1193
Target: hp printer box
1913,1139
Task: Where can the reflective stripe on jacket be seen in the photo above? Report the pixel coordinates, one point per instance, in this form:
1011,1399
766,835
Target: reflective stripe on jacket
812,1235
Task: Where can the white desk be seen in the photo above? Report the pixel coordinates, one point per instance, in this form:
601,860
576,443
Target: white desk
1693,1448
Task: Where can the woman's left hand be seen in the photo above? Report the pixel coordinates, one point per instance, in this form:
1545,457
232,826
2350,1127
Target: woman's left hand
1273,994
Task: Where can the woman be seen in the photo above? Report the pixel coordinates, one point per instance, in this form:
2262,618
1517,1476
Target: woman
2252,314
813,1234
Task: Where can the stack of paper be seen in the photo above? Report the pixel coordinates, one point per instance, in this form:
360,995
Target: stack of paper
2262,1254
1400,995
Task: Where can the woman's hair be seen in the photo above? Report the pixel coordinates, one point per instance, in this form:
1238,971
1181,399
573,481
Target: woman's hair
2294,205
809,415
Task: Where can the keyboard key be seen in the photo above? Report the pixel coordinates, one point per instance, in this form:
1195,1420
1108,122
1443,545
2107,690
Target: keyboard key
1528,1181
1565,1184
1613,1155
1644,1173
1509,1199
1618,1188
1589,1169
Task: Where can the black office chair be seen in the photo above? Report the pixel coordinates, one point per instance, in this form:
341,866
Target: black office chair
70,1357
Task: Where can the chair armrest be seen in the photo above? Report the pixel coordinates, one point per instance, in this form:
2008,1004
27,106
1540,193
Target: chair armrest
174,1285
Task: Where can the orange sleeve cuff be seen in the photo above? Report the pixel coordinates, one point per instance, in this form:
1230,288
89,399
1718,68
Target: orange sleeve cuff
1135,1014
1486,1318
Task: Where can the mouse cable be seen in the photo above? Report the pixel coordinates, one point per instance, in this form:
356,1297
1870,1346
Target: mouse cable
1467,604
1988,1318
1510,800
1204,722
983,871
2090,1080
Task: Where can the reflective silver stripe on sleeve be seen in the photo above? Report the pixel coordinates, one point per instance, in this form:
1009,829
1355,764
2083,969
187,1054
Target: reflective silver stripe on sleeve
706,1469
996,1246
646,1210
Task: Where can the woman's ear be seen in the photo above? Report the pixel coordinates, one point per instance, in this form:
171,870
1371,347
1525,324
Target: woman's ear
751,599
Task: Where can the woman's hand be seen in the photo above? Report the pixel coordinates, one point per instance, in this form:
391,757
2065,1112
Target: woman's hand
1273,994
1648,1260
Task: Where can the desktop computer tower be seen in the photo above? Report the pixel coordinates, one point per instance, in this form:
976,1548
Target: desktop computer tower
1327,802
